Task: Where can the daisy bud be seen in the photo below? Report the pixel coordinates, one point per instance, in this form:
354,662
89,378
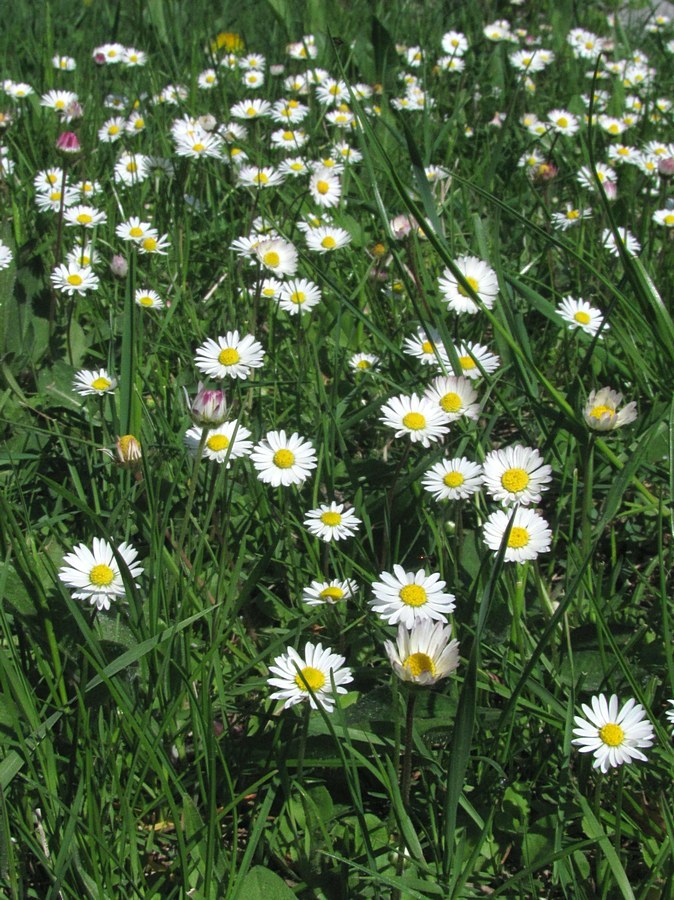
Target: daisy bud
209,406
276,69
68,143
119,266
666,167
128,451
208,122
99,59
401,226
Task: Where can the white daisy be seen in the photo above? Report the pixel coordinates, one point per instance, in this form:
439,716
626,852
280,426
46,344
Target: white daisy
282,460
200,145
332,522
95,573
135,230
326,238
6,256
259,177
148,299
230,356
84,216
131,168
325,188
529,535
455,396
409,597
572,216
52,200
423,654
601,411
479,275
277,255
112,130
427,346
93,382
299,296
293,166
415,416
579,314
613,737
669,714
309,677
250,109
320,593
516,475
630,244
664,217
74,279
362,362
225,443
153,243
453,479
563,122
475,359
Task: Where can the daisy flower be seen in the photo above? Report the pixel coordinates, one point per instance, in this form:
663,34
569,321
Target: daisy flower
453,479
52,200
601,411
579,314
669,714
604,174
226,442
613,737
325,188
455,396
409,597
475,359
455,43
664,217
332,522
112,130
95,573
58,100
277,255
427,346
630,244
74,279
309,677
563,122
94,382
250,109
230,356
423,654
200,145
148,299
293,166
415,416
135,230
84,216
6,256
299,296
282,460
326,238
529,535
153,243
269,288
361,362
516,475
132,57
131,168
256,177
82,255
571,217
320,593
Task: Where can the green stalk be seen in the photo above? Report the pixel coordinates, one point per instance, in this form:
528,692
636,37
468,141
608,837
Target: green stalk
586,539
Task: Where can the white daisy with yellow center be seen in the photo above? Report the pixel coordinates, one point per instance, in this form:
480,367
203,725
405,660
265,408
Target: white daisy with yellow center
417,417
309,677
230,356
326,238
455,396
96,381
614,736
364,362
322,593
475,359
516,475
84,216
282,460
601,411
95,574
298,296
453,479
277,255
332,522
74,279
409,597
579,314
427,346
148,299
423,654
481,279
529,535
223,444
325,187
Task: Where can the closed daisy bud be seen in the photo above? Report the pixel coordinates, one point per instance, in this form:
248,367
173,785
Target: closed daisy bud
209,406
601,410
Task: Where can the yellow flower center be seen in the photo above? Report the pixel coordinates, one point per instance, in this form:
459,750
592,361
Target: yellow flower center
573,214
101,384
519,537
199,148
331,593
217,442
283,459
297,166
251,111
582,317
466,362
101,575
612,735
451,402
229,356
453,479
84,219
427,347
413,595
669,219
51,179
75,280
261,178
146,300
472,282
563,122
150,244
113,129
322,187
514,480
271,259
328,242
131,167
414,421
136,232
288,135
331,519
298,297
139,123
419,663
59,104
309,677
54,196
598,411
363,364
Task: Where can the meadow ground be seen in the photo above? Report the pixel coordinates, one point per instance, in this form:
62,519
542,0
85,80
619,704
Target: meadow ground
336,378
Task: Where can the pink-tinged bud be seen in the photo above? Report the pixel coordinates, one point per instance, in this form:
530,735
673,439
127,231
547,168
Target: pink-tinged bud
401,226
209,407
99,59
610,189
119,266
73,111
545,171
666,167
276,69
68,143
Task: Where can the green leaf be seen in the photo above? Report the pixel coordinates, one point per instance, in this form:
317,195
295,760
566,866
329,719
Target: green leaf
263,884
593,829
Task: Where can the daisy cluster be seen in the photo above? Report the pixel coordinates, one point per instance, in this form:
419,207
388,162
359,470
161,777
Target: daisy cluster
281,144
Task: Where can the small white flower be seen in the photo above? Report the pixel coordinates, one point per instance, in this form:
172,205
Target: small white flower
474,359
332,522
455,396
326,238
423,654
325,188
629,242
362,362
320,593
516,475
74,279
277,255
579,314
601,411
6,256
299,296
148,299
409,597
94,382
282,460
224,443
529,535
427,347
613,737
95,573
230,356
309,677
453,479
417,417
